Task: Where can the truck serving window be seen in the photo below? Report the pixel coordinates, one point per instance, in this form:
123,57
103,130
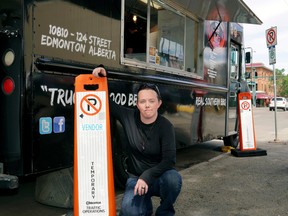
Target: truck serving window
158,36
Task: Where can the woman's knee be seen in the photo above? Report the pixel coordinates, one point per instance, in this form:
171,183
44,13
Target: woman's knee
172,179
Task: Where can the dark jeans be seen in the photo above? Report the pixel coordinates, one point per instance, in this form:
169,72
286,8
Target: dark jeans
167,187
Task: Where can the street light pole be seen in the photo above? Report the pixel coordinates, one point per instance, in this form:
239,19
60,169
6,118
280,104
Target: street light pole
253,80
254,87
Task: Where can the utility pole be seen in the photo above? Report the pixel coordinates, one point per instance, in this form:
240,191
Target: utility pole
253,77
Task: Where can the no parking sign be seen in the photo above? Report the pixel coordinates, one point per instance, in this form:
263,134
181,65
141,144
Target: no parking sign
93,168
271,41
246,123
271,37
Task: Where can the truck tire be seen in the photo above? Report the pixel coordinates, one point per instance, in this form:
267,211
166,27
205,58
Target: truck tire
232,140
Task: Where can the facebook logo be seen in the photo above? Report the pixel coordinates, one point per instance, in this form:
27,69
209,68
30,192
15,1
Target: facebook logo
45,125
59,124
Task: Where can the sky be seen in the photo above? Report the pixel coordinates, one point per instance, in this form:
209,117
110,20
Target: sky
271,13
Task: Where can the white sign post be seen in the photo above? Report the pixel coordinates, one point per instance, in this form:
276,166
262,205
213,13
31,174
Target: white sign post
247,132
247,136
271,40
93,169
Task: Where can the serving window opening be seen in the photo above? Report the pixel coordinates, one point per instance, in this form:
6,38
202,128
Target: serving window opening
160,37
135,34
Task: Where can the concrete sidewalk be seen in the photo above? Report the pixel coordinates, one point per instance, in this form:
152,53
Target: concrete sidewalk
230,185
227,185
222,186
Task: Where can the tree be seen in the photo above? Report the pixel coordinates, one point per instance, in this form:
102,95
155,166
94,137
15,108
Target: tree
281,82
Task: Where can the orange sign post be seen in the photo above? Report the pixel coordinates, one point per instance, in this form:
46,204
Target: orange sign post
93,168
246,128
246,122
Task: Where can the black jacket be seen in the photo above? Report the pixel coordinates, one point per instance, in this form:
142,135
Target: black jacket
151,148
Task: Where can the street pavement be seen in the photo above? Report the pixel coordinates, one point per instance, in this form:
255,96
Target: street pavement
242,186
227,185
219,185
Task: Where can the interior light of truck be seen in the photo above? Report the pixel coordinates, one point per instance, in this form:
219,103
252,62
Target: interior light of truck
8,58
8,85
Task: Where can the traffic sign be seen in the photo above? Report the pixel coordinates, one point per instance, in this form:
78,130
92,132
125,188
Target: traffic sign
94,192
272,55
271,36
245,105
90,104
246,123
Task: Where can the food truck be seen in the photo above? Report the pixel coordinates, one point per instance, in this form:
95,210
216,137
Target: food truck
193,51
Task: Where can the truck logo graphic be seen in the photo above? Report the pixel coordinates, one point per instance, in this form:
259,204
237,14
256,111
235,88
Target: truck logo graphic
45,125
59,124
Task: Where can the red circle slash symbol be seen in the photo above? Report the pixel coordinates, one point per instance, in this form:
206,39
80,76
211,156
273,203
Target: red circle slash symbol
91,104
271,35
245,105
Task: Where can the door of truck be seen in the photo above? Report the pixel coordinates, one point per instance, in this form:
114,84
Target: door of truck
234,74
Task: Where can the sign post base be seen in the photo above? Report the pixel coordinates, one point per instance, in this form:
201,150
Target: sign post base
248,153
246,129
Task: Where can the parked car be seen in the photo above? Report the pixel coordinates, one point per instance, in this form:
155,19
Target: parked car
282,103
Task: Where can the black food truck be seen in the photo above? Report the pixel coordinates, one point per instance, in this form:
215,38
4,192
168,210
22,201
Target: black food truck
193,50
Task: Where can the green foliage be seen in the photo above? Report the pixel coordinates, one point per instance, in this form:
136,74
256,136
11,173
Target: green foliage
281,82
279,72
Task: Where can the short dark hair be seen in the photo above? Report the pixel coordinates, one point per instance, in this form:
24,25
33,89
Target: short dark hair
150,86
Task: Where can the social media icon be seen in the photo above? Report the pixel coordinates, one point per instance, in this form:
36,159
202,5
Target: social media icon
59,124
45,125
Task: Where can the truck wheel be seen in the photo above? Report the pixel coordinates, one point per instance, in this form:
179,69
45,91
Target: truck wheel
232,141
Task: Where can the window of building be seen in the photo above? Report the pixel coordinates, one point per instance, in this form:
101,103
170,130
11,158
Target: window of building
160,37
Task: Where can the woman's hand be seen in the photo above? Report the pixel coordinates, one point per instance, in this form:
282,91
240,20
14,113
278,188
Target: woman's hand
141,188
99,71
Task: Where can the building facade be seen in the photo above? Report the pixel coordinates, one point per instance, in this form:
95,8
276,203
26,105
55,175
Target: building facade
262,81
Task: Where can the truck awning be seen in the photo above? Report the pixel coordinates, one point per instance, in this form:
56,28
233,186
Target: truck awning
221,10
